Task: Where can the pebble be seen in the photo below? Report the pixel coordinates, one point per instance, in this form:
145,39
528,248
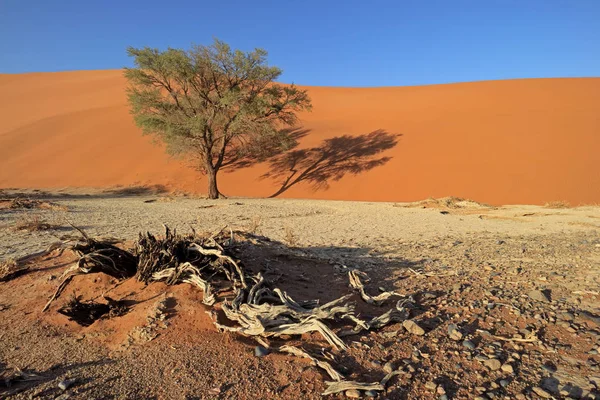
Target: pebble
541,392
412,327
454,333
493,364
352,393
508,368
504,383
549,367
443,397
430,385
539,296
371,393
469,345
65,384
260,351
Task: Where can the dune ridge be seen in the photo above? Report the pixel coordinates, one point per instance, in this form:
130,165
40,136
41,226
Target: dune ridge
526,141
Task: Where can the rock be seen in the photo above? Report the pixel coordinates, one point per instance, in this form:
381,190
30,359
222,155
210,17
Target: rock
352,394
454,333
260,351
541,392
508,369
540,295
388,367
549,367
65,384
412,327
504,383
443,397
371,393
493,363
430,385
469,345
566,316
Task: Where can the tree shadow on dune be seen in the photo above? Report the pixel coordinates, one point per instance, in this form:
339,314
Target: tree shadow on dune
262,148
332,160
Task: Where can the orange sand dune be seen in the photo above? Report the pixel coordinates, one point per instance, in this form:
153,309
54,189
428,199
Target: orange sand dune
500,142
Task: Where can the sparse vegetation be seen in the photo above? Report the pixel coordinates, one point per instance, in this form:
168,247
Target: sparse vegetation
7,269
21,203
33,223
558,204
290,237
254,224
219,106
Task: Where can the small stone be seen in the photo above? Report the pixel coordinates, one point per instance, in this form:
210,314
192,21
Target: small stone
443,397
493,364
65,384
508,369
430,385
371,393
388,367
540,295
469,345
549,367
454,333
352,394
260,351
504,383
541,392
412,327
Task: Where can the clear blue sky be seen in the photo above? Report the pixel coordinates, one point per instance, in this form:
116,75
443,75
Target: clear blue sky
324,42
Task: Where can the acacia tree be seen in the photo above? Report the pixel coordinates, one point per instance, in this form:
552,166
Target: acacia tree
213,104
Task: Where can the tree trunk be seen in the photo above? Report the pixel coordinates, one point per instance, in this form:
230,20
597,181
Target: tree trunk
213,190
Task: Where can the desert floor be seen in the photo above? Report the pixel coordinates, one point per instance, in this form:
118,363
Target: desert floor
481,268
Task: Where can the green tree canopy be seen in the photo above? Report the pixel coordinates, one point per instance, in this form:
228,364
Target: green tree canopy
213,104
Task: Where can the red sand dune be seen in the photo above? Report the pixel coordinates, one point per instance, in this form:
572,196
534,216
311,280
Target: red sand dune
500,142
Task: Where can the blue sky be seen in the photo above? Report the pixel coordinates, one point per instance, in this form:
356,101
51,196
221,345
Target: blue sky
332,43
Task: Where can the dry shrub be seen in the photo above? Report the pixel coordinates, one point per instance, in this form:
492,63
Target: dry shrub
290,237
254,224
7,268
445,203
558,204
33,223
27,203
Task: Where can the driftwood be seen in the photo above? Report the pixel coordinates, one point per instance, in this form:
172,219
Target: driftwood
342,386
356,283
258,309
319,363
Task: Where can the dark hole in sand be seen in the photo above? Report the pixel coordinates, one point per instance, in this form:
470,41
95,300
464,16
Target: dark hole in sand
85,313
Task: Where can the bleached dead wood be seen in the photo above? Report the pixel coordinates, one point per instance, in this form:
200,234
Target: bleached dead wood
319,363
356,283
336,387
187,273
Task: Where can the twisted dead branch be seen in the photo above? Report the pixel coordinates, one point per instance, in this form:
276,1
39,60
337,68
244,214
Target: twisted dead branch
258,309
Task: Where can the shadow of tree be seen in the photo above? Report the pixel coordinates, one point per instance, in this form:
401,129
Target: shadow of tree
330,161
263,148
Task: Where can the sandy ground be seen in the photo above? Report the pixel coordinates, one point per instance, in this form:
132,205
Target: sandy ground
525,141
474,266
